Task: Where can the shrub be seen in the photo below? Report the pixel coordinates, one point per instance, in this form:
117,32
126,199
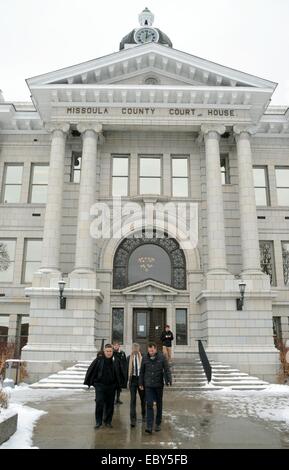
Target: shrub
283,375
4,399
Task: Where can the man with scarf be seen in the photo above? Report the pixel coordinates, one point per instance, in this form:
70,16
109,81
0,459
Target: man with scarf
134,365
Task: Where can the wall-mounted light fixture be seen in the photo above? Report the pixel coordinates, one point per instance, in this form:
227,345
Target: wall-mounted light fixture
240,301
62,299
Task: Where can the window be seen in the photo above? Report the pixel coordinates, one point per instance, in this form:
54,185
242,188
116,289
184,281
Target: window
12,183
149,262
120,176
75,167
150,175
181,326
225,169
277,331
180,186
7,259
261,186
39,182
267,260
4,325
32,258
285,256
117,325
282,184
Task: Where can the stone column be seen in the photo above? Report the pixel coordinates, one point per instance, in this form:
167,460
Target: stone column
247,203
215,212
84,256
53,213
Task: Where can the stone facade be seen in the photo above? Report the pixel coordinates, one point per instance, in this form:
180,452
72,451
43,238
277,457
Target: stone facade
102,109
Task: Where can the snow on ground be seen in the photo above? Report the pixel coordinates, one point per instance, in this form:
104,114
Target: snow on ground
27,416
270,404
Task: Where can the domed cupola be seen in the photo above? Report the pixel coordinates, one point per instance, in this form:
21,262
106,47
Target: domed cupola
145,33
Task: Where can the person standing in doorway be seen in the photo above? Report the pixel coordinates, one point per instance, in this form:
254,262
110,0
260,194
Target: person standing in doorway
167,338
104,374
121,357
134,365
155,370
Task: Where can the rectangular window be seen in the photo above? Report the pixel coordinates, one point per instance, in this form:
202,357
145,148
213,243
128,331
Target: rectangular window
267,260
180,187
150,175
32,258
4,325
261,186
282,185
75,167
277,331
225,168
7,259
12,183
181,326
285,256
39,183
120,176
117,325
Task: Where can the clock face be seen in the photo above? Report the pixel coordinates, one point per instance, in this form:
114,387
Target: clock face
144,35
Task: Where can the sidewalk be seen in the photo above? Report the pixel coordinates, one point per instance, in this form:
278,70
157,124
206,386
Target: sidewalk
196,421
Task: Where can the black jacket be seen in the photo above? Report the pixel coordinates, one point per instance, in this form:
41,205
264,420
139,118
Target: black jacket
121,357
94,372
167,338
153,373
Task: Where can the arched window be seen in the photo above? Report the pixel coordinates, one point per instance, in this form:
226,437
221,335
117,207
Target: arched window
139,258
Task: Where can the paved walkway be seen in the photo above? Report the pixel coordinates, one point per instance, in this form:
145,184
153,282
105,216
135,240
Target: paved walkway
196,421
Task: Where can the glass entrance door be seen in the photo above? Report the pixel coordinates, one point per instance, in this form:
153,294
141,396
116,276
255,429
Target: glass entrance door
148,324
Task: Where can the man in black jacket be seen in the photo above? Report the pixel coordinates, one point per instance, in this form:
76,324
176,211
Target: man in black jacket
167,338
154,372
104,374
121,357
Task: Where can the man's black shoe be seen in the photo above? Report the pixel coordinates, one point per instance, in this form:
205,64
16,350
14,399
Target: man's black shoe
149,430
97,426
132,425
108,425
157,428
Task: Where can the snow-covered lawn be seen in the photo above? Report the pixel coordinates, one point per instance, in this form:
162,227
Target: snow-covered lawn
271,404
27,416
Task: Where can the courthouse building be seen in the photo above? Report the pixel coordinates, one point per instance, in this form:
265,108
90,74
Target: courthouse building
156,126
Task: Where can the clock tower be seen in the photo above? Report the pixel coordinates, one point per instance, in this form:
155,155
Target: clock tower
145,33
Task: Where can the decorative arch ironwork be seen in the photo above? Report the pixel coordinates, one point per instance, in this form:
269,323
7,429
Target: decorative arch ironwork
169,245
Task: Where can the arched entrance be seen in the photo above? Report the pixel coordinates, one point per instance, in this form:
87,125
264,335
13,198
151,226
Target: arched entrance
144,265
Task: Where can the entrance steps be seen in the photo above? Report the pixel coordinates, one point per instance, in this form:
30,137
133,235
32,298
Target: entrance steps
186,376
191,377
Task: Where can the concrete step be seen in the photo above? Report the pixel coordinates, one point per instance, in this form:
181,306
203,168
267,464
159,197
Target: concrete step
188,377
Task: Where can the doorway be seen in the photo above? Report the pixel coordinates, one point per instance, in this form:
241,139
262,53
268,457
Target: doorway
148,325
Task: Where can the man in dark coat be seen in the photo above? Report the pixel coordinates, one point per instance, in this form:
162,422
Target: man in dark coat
154,372
121,357
167,338
104,374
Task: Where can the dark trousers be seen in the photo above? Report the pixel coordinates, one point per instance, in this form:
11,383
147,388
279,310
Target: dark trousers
104,403
118,391
154,394
134,389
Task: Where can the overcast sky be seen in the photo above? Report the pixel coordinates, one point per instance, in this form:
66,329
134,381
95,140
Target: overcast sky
38,36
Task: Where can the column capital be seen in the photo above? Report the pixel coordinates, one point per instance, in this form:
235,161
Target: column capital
241,130
218,129
57,126
89,126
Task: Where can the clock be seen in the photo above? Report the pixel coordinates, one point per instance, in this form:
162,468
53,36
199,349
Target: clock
144,35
